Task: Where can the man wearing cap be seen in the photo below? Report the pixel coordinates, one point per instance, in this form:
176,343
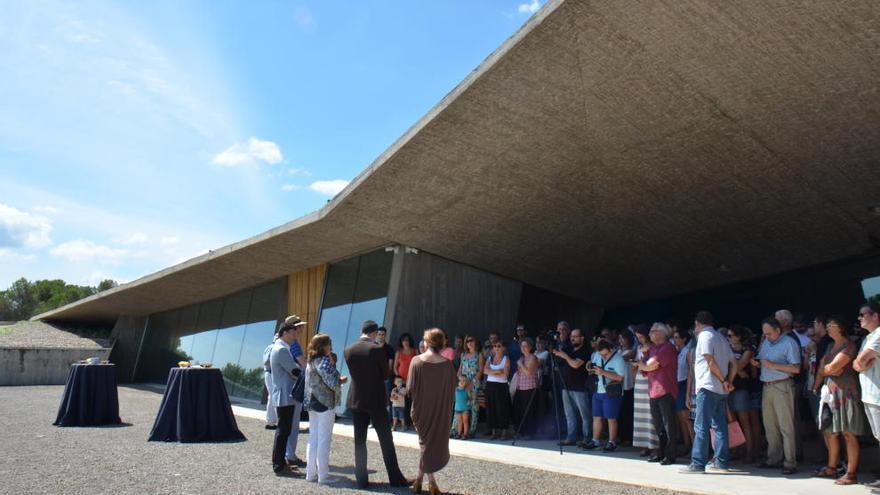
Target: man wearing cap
368,366
285,373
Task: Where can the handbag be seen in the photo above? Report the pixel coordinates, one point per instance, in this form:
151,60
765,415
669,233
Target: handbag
823,419
615,388
735,435
513,384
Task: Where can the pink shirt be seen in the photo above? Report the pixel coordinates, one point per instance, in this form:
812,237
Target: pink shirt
448,353
663,380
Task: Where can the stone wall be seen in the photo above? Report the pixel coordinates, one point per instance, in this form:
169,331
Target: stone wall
41,366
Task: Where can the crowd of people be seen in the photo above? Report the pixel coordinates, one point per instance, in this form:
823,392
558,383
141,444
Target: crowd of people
664,389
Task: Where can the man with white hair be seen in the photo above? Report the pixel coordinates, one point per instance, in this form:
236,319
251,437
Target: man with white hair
662,370
786,322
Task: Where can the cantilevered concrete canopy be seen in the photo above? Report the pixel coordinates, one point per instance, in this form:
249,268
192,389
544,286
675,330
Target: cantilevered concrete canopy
611,151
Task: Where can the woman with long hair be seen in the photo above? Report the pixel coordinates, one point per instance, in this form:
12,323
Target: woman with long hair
524,400
471,367
740,400
840,392
321,396
402,358
497,369
432,385
644,435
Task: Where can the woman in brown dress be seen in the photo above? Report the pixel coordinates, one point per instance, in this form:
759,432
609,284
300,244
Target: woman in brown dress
431,384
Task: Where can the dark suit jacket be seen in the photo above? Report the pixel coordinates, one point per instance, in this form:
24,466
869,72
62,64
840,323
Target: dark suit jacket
368,367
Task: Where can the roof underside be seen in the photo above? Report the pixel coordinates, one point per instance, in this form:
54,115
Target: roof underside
614,152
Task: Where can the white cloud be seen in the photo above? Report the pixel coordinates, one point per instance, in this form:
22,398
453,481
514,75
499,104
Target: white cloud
137,238
299,171
12,256
328,187
290,187
82,250
255,150
529,8
169,240
46,209
22,229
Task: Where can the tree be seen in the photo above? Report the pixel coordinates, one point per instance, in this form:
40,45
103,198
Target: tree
24,299
106,284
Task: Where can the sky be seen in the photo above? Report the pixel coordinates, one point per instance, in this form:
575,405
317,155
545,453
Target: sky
137,135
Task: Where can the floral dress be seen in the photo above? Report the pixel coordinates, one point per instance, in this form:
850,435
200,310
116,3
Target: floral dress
470,365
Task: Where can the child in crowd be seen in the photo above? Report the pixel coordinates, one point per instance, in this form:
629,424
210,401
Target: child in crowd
464,397
398,404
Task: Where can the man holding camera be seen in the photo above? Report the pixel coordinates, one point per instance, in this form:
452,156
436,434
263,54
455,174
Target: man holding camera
608,365
571,362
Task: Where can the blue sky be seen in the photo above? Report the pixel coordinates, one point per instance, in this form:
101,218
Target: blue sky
135,135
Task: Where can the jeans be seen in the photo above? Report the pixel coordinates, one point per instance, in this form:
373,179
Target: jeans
271,415
711,409
577,403
290,453
318,451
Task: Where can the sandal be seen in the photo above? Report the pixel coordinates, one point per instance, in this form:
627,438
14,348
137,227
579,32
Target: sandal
826,472
847,479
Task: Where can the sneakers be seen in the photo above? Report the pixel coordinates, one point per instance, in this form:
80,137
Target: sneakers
329,480
691,469
715,468
591,445
609,446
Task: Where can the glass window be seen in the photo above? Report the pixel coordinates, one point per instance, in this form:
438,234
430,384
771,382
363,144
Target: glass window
227,350
229,332
871,287
356,290
257,336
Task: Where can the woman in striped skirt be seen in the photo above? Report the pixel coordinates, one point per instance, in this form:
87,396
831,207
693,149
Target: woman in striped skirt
644,435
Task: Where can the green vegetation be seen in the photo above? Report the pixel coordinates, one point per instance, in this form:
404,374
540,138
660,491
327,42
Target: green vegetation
24,299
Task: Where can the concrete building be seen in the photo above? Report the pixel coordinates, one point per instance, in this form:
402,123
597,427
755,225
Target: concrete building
626,160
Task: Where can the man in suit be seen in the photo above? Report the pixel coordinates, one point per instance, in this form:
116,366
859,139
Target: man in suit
283,368
368,366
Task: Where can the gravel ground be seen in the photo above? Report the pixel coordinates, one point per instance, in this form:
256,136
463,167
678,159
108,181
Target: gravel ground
40,458
30,334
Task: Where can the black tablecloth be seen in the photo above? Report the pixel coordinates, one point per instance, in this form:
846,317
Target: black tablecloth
90,397
195,408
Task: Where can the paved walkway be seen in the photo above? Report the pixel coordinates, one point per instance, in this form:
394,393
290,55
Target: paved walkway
619,467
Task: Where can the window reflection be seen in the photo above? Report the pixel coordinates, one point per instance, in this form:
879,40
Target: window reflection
229,332
356,290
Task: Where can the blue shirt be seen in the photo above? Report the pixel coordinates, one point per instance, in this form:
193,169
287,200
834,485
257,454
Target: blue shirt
783,351
616,365
296,351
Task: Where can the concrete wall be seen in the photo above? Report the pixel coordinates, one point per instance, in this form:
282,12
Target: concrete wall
41,366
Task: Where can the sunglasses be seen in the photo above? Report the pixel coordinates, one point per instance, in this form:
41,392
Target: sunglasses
865,315
498,346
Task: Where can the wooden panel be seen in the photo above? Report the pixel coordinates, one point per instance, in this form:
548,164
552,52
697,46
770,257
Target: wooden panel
460,299
304,296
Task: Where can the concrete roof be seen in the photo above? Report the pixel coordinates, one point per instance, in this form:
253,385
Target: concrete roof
611,151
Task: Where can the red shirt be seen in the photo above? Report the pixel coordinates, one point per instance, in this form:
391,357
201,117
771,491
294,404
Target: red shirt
663,380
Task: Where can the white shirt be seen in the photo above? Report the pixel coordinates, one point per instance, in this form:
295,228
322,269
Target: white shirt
870,378
709,341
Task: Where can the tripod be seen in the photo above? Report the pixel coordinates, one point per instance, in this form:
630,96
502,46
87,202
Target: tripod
554,370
